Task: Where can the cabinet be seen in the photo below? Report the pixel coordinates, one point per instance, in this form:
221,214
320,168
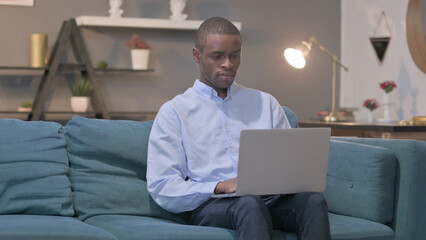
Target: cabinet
370,130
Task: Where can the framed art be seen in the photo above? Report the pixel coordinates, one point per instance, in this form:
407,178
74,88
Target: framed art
29,3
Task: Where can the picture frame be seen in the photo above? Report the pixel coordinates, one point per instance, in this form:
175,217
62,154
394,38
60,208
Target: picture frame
28,3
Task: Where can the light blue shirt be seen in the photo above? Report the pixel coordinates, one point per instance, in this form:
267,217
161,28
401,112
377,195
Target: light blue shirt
195,138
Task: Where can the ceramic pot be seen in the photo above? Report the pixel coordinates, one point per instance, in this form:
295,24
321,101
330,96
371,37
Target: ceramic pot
140,58
80,104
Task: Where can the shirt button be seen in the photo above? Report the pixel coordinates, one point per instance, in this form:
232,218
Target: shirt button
226,126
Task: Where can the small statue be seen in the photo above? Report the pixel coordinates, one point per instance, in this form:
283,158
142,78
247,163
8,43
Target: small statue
176,7
115,11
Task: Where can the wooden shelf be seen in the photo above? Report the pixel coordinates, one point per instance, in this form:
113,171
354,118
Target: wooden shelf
74,67
153,23
21,68
71,112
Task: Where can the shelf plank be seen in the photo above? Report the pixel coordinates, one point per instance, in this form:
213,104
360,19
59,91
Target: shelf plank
153,23
75,67
71,112
21,68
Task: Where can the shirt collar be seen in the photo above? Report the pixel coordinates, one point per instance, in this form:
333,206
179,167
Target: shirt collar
208,92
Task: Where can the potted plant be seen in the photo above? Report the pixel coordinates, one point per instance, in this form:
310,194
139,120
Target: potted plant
81,90
139,51
102,64
371,105
26,106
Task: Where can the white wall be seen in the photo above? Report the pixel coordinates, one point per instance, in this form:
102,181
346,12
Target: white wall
359,21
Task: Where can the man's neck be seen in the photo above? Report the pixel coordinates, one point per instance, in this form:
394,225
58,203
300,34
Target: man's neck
222,93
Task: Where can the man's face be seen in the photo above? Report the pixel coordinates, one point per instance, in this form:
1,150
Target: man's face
219,60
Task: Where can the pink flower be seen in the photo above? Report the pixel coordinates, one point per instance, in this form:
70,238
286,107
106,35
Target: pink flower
388,86
371,104
136,43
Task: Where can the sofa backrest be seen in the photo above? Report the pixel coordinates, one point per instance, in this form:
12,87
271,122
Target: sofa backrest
108,168
34,169
291,116
410,209
361,181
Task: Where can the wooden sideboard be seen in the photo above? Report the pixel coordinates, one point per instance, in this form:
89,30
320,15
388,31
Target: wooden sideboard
370,130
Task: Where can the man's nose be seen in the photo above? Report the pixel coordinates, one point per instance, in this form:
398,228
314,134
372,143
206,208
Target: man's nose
227,63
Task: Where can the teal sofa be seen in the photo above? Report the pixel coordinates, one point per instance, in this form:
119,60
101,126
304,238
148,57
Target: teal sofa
86,181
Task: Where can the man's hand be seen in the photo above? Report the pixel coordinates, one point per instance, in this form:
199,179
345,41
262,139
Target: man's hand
228,186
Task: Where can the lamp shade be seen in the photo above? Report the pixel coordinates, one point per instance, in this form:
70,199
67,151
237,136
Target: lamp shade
295,58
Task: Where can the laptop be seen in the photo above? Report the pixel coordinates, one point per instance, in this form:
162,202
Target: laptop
282,161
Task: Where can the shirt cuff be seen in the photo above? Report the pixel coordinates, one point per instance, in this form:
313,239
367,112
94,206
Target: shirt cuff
209,187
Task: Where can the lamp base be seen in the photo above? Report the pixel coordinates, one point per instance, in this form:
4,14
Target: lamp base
335,116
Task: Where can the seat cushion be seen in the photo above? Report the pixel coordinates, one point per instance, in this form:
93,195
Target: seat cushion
127,227
361,181
108,167
345,227
36,227
34,169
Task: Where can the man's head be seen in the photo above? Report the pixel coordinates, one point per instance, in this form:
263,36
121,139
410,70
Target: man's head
218,51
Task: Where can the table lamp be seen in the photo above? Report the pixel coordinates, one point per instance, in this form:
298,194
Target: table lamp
297,59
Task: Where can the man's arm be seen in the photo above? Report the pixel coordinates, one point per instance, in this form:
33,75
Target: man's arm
167,171
279,119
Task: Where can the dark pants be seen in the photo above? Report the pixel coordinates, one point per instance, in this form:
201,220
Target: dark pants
254,217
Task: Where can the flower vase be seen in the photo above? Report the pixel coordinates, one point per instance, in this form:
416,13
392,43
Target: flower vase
387,103
370,116
139,58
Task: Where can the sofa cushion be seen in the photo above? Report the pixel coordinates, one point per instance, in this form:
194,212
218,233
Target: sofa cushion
34,169
137,227
361,181
344,228
108,167
37,227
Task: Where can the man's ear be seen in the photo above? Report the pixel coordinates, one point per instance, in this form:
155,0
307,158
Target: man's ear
196,54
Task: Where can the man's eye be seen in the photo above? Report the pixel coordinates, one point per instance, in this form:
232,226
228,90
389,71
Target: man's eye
236,56
217,56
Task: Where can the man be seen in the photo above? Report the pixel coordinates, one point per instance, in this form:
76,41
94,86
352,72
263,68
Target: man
194,143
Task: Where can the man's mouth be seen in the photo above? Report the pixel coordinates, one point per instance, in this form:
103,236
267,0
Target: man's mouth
227,76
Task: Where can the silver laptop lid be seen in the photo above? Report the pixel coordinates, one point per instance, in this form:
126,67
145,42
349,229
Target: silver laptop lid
281,161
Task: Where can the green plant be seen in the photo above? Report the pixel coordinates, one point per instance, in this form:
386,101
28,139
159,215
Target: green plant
27,104
102,64
82,88
136,43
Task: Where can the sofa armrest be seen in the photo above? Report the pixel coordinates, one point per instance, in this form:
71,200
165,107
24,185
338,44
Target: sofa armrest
410,192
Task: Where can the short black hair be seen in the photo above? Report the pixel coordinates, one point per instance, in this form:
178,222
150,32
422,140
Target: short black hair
215,25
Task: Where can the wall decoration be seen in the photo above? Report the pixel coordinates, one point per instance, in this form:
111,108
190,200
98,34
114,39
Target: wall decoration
176,7
17,2
381,43
115,11
416,32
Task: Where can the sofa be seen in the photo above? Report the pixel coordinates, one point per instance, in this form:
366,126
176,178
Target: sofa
86,181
